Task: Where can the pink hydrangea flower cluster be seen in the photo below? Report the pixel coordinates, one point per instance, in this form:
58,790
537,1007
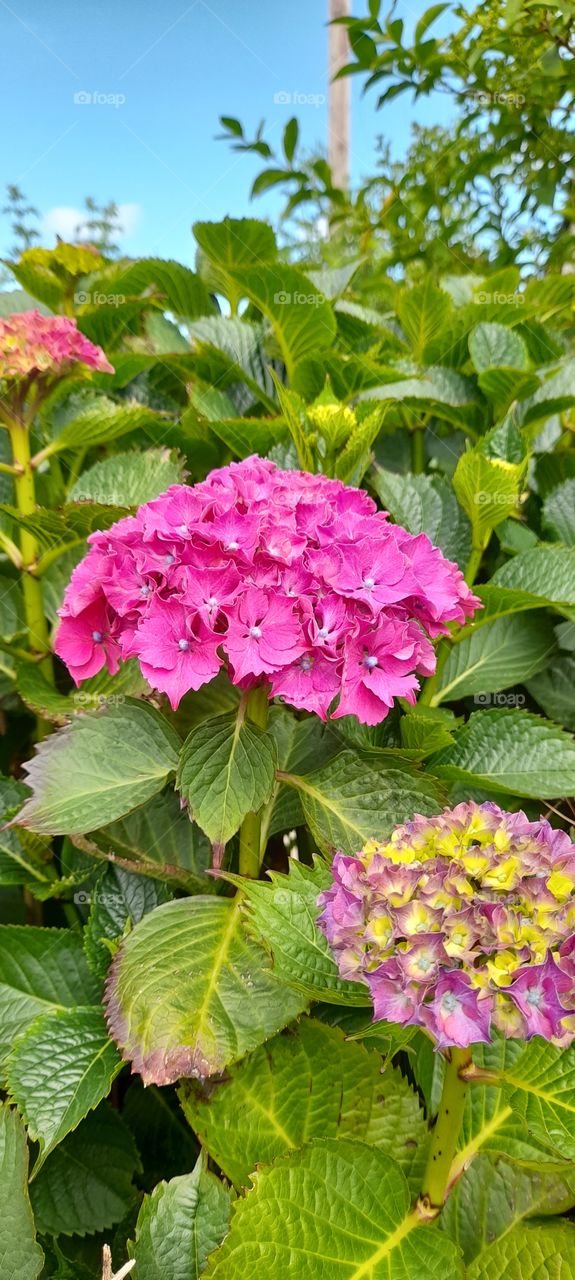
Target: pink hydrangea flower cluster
460,924
293,580
31,343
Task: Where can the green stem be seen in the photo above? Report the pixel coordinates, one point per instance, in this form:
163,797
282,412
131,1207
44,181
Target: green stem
38,638
250,830
418,451
473,565
445,1134
427,695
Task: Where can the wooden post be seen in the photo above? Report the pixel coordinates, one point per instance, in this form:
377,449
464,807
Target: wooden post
338,124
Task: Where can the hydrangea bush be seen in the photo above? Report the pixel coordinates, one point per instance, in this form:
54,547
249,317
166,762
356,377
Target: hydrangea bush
287,644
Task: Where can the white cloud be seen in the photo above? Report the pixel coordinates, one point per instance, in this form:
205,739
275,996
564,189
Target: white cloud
64,220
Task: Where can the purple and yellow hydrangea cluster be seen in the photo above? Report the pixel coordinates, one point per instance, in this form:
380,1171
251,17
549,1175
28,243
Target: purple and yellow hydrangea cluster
462,924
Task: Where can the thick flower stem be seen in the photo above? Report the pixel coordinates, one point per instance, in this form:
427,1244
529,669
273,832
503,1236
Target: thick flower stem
473,565
38,639
445,1134
250,830
418,451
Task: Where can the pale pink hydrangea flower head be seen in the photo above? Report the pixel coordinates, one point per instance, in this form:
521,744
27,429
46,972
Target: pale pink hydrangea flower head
463,924
287,579
33,344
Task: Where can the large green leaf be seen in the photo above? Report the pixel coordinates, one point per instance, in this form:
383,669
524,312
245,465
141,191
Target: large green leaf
118,901
497,656
226,770
98,768
426,504
441,392
59,531
128,479
554,690
547,572
86,1184
349,800
245,436
540,1089
159,839
42,698
529,1252
504,385
21,1258
283,913
188,992
488,490
423,312
511,751
40,970
356,1225
303,322
555,394
233,243
58,1071
559,512
308,1082
495,345
228,350
180,1224
494,1195
165,283
491,1124
102,420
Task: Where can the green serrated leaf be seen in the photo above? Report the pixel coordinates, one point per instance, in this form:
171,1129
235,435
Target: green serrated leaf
511,751
233,1002
118,901
357,1225
494,1195
226,770
102,420
159,839
527,1253
488,490
86,1184
497,656
40,970
347,801
540,1088
545,571
180,1224
58,1071
307,1083
283,915
98,768
21,1258
423,312
128,479
493,345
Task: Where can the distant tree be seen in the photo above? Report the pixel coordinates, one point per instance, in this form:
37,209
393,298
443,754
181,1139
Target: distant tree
100,226
509,68
22,217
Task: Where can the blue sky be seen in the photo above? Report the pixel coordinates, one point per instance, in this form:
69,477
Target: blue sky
163,74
